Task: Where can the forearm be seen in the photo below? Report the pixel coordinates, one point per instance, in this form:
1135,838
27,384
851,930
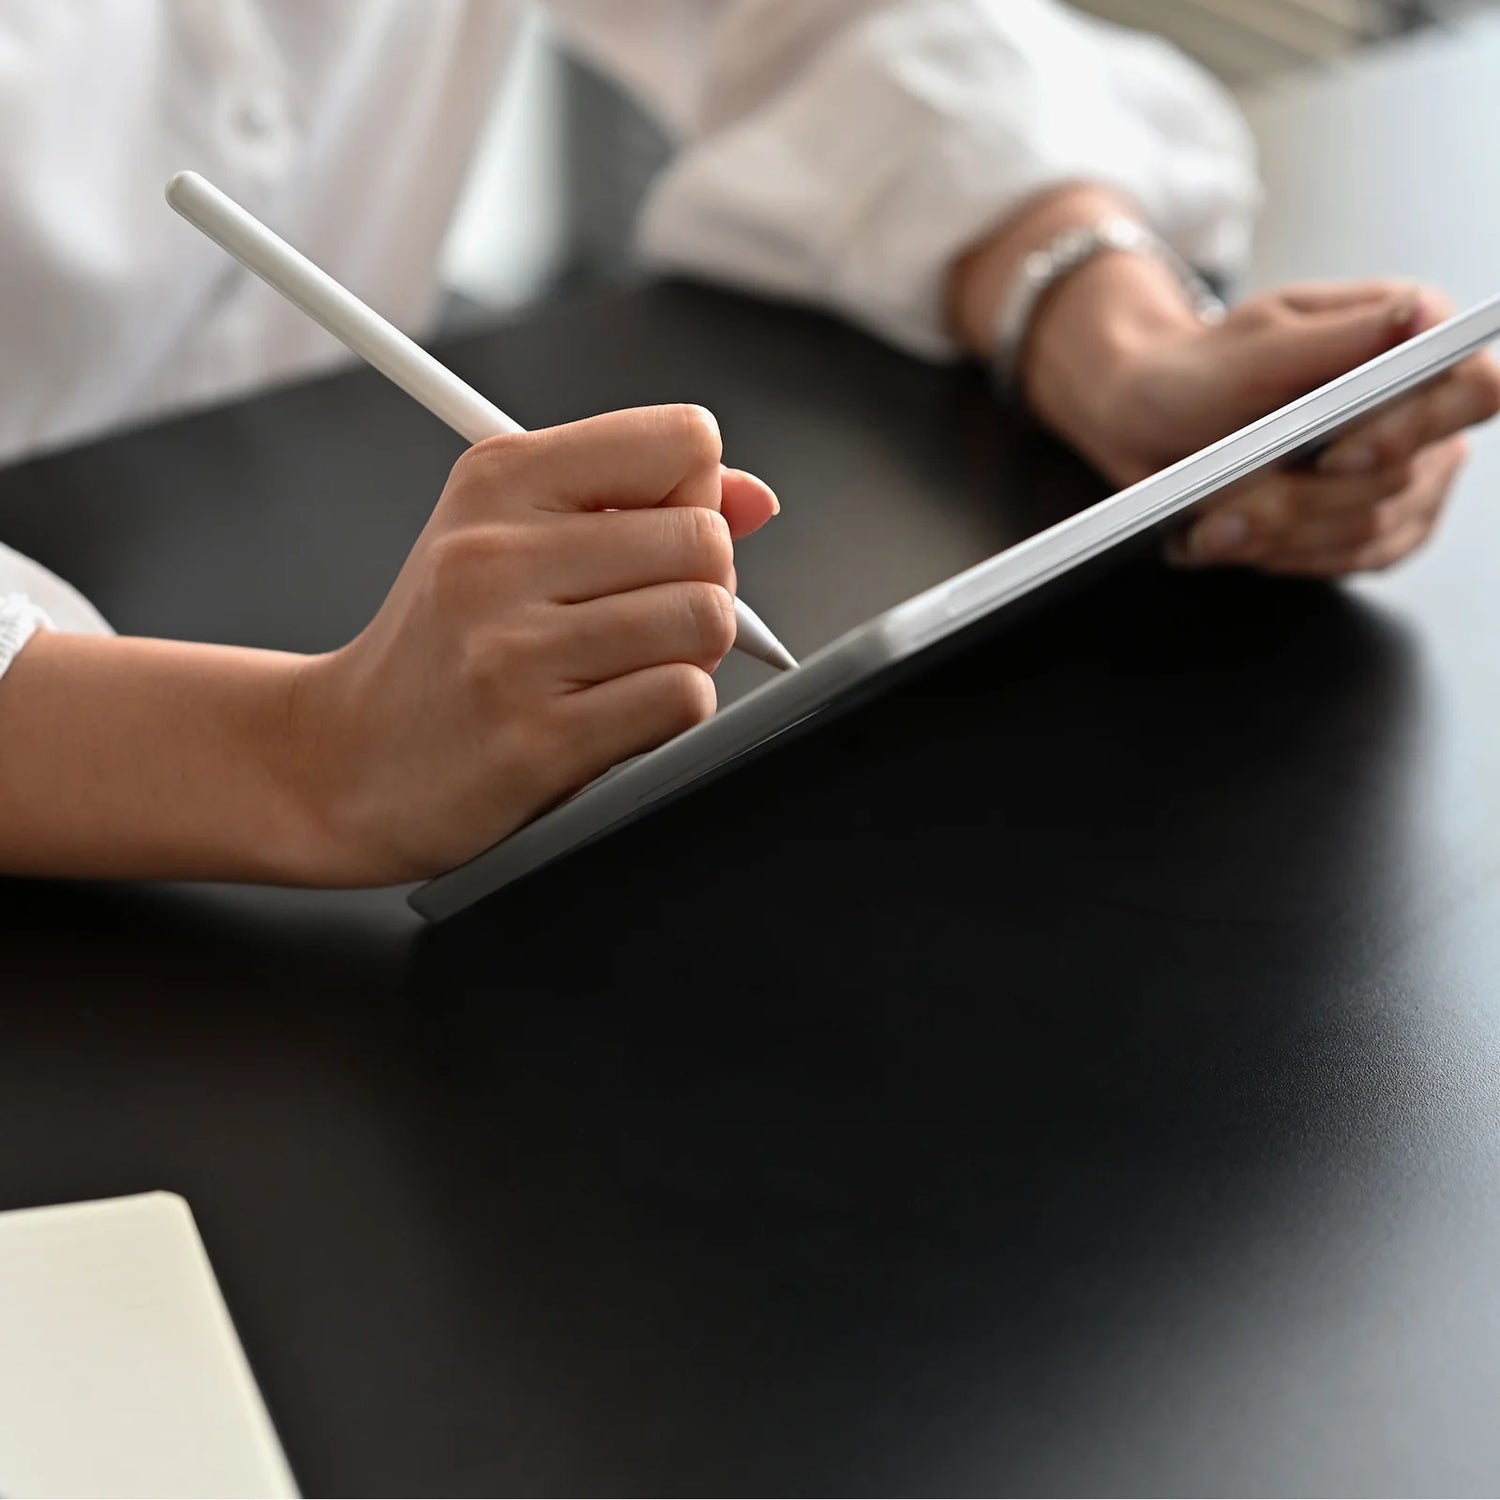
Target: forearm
125,758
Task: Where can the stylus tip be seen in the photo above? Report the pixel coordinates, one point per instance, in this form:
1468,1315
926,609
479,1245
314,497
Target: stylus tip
780,658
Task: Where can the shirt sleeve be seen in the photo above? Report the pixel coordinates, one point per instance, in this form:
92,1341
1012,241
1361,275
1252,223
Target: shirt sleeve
847,153
32,598
19,621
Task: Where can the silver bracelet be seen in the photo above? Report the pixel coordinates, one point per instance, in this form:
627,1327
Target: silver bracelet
1042,270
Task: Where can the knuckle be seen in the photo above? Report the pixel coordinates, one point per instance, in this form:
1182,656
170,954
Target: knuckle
492,460
472,665
1265,314
490,659
705,536
686,695
467,567
475,552
710,611
453,559
508,646
692,431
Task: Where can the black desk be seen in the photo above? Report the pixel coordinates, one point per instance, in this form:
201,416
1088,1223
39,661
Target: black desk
1075,1071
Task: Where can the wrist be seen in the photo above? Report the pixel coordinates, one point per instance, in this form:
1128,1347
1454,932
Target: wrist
258,821
323,772
983,277
1092,337
1092,341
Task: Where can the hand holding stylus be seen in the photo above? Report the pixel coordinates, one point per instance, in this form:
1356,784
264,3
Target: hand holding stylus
530,642
561,611
383,345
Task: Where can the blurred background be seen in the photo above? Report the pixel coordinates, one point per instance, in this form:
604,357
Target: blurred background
566,157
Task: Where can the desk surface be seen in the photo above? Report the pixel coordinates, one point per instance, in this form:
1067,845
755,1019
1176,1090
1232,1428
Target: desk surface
1108,1103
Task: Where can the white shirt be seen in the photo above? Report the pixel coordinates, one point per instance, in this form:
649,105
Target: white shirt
841,152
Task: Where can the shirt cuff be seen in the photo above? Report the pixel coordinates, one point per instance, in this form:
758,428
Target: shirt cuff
20,619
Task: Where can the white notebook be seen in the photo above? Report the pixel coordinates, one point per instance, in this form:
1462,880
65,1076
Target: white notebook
120,1372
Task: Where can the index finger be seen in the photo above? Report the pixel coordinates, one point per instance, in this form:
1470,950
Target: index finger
1338,296
623,460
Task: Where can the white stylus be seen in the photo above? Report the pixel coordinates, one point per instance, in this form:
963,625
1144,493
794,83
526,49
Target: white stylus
382,344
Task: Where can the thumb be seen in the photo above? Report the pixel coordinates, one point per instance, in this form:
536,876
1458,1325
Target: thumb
748,502
1310,349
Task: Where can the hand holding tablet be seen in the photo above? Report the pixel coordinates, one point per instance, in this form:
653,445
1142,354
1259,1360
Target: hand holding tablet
1121,368
530,642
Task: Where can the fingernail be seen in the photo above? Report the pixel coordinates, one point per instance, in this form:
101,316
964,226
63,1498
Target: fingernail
1346,462
746,474
1217,536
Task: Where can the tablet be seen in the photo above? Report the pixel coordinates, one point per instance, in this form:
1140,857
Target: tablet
863,660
